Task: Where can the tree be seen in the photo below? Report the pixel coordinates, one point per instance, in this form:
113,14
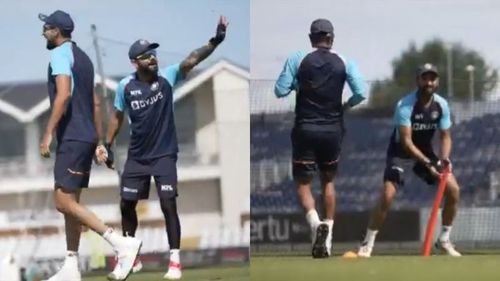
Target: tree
385,93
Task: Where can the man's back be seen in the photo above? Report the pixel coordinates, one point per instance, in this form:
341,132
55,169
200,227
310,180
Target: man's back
321,77
318,78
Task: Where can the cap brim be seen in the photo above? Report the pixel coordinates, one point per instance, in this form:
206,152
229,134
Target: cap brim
153,46
42,17
325,33
428,71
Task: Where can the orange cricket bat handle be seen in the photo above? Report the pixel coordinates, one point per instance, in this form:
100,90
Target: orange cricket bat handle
431,224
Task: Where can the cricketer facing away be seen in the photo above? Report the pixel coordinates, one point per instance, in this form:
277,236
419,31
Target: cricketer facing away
76,121
418,115
147,96
318,78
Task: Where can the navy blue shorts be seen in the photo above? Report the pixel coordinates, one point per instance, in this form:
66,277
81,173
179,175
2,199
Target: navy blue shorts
73,164
396,166
136,178
313,150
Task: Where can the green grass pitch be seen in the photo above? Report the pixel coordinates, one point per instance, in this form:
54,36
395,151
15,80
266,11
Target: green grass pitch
238,273
378,268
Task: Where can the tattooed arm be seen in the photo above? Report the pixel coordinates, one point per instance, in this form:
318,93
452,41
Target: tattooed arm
198,55
195,58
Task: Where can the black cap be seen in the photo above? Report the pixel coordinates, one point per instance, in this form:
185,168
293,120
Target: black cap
139,47
321,26
58,19
427,68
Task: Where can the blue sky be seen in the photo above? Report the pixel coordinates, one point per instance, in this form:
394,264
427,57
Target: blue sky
180,26
370,32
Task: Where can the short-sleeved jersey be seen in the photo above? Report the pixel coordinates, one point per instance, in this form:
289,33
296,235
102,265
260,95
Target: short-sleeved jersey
77,123
318,79
150,111
423,122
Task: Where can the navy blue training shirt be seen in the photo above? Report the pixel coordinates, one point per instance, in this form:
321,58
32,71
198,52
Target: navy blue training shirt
318,79
423,122
77,123
150,111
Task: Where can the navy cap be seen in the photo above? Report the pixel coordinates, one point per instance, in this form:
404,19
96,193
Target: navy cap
139,47
321,26
58,19
427,68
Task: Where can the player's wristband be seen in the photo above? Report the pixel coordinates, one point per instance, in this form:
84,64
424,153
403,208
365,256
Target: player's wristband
111,158
220,35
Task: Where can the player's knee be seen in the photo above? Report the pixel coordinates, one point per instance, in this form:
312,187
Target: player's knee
453,191
61,206
329,192
303,178
61,202
327,176
127,206
387,197
169,206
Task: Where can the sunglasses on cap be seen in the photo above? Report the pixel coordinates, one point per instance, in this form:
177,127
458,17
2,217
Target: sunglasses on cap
48,27
147,55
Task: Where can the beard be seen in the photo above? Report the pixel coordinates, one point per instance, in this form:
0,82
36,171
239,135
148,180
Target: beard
428,90
148,70
50,45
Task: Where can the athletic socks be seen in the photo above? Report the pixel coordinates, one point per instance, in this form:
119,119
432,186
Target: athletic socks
111,237
174,256
445,233
312,218
370,237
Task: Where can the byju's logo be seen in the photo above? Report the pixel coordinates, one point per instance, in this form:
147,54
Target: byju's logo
138,104
424,126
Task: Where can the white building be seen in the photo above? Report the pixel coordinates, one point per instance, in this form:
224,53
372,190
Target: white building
212,118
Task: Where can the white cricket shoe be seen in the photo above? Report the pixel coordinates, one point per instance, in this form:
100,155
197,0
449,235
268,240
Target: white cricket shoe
126,252
365,250
137,265
448,248
174,271
319,248
69,271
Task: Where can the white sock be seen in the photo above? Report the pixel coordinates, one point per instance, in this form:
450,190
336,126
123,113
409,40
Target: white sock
312,218
174,256
112,237
71,254
71,259
370,237
445,233
330,224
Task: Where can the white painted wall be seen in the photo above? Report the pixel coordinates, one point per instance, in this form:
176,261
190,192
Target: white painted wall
233,126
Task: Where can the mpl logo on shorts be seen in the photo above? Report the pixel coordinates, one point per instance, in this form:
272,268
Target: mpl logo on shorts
166,187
